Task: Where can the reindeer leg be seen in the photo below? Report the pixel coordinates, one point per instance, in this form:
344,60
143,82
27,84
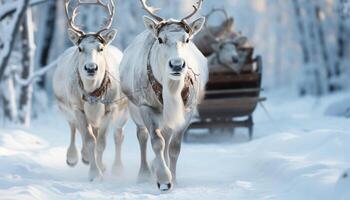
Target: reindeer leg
167,133
162,172
84,150
174,152
90,141
175,147
142,136
118,141
122,115
72,152
101,146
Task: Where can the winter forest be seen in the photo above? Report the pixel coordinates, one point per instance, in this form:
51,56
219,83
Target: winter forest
297,145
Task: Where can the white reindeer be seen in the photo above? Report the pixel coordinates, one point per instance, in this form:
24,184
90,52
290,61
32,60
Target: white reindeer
164,75
230,53
224,47
88,92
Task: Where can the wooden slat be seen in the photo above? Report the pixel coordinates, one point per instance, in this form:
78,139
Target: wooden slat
221,124
229,91
227,107
229,78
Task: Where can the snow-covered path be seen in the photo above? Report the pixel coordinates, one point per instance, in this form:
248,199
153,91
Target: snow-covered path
299,154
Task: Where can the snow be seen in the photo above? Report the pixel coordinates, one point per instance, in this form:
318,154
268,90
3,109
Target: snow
298,154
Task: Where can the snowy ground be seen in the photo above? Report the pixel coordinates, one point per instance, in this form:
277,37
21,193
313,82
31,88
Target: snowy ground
299,154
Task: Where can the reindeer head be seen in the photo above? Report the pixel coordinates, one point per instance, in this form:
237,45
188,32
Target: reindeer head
91,46
173,40
228,51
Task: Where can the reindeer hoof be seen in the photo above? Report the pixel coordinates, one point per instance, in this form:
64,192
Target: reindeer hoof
345,175
95,176
144,177
71,164
86,162
165,187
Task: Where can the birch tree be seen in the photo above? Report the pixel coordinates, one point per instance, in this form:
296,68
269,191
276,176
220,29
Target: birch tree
28,49
46,38
8,38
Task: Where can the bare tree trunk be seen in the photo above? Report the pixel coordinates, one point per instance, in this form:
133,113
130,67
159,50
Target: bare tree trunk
48,34
27,34
8,96
319,67
6,48
341,47
312,42
299,19
323,45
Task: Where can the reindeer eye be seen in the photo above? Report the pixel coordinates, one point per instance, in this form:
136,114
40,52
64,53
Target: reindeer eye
187,40
100,49
160,40
80,49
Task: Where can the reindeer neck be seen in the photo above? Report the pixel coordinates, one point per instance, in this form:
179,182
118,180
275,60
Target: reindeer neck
94,87
178,88
174,86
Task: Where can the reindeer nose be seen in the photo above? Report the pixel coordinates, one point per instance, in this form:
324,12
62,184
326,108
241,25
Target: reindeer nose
177,64
234,59
91,68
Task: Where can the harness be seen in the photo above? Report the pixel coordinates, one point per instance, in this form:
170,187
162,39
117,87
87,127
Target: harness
96,96
182,24
95,35
158,88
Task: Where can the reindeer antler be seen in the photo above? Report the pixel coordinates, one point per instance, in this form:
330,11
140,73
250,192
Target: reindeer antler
71,19
151,10
196,8
226,28
108,7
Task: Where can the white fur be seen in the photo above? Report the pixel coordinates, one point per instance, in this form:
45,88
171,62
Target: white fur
166,123
91,120
227,54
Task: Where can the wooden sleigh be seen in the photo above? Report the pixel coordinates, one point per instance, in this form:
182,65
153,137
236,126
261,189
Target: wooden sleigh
230,100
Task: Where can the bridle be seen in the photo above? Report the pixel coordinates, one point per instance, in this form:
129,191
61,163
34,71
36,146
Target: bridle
94,35
182,24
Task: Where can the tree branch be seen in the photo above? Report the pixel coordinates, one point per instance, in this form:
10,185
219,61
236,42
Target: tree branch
10,8
35,76
13,29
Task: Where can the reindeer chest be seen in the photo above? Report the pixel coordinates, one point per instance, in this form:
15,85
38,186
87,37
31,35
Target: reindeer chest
97,104
157,87
95,113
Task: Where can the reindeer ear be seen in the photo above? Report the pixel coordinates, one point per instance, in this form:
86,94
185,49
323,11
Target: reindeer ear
74,36
230,22
197,25
109,35
150,25
240,40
